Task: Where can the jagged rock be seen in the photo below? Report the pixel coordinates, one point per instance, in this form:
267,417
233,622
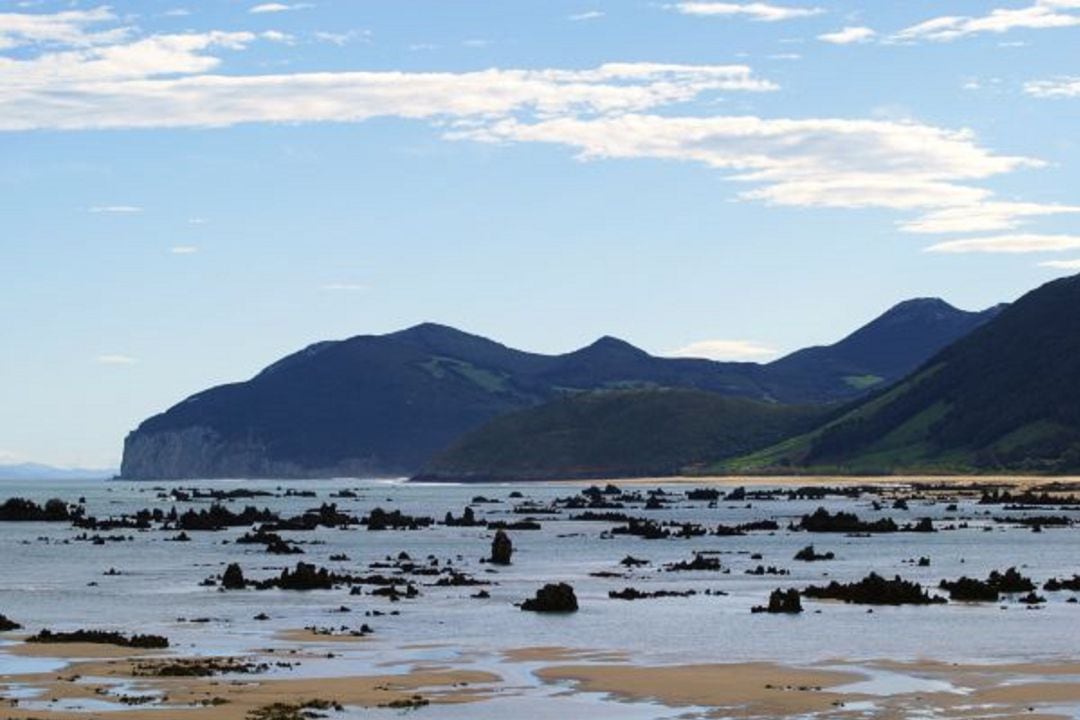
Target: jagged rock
699,563
558,598
501,549
148,642
971,590
822,521
635,594
23,510
808,554
233,579
781,601
7,625
1055,585
379,519
874,590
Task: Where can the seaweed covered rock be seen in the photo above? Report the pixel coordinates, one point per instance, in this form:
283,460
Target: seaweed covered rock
558,598
822,521
781,602
101,637
874,590
1055,585
998,583
808,554
7,625
23,510
501,549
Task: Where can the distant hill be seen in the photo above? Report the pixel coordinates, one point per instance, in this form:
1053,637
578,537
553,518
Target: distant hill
385,405
618,433
885,350
1004,398
36,471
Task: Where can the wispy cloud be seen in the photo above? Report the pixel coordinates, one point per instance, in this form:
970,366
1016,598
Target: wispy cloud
184,249
116,209
343,38
849,35
762,12
1041,15
72,28
278,7
126,92
1063,87
1061,264
587,15
1020,243
983,217
824,162
745,350
115,359
344,287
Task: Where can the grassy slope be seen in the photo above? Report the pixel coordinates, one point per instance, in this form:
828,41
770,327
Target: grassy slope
626,432
1004,399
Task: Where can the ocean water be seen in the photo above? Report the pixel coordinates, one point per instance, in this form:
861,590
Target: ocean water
49,580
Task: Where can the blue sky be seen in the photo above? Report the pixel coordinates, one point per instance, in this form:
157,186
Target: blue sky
191,190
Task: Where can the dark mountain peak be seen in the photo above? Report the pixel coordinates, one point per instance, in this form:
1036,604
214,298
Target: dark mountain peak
922,305
608,346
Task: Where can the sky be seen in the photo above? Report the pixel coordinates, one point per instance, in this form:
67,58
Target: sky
190,190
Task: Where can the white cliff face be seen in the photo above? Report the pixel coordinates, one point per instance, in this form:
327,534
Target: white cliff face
201,452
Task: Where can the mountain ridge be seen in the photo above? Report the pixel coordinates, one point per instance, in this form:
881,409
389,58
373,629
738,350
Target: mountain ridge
385,404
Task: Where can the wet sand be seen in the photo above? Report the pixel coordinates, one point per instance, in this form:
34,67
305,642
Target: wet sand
838,689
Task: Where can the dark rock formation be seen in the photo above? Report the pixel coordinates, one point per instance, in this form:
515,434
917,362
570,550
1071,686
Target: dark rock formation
808,554
558,598
781,601
233,579
103,637
501,549
23,510
822,521
7,625
874,590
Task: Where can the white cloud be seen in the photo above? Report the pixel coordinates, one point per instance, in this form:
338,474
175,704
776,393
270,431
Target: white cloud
588,15
1061,264
1064,87
278,37
70,28
7,456
115,359
822,162
121,90
983,216
849,35
1041,15
177,12
343,38
759,11
116,209
278,7
725,350
183,249
1021,243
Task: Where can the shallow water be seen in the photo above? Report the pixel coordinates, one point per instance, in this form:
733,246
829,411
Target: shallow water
45,581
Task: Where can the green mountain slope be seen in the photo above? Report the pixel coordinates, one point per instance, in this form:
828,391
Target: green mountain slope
1004,398
618,434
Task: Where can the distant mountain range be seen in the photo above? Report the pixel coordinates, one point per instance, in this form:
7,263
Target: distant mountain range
1004,398
386,405
35,471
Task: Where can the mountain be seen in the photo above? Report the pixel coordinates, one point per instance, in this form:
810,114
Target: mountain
887,349
384,405
36,471
618,433
1004,398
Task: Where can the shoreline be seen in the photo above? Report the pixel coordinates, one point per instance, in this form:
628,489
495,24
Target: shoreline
746,689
